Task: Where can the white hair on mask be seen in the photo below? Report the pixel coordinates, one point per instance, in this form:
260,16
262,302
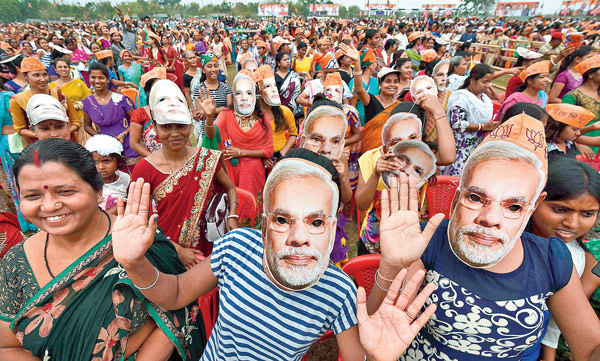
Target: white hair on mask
502,150
294,168
438,65
324,111
415,81
397,118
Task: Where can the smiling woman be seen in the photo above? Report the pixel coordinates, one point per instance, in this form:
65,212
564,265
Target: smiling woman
62,293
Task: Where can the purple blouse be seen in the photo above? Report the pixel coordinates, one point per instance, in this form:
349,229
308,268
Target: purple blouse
112,119
569,81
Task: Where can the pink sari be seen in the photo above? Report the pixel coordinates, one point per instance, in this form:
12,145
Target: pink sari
247,173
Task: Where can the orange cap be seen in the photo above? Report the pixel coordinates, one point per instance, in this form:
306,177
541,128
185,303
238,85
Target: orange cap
104,54
591,63
429,55
261,73
31,64
570,114
156,73
333,79
115,30
246,72
323,41
536,68
525,132
260,43
414,36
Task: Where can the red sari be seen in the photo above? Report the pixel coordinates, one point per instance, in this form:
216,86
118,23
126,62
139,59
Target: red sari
182,197
248,173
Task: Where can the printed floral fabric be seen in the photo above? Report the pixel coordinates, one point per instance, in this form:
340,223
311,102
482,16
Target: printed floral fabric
468,324
466,141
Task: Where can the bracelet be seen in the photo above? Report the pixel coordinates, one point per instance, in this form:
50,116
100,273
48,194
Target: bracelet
552,62
239,153
210,126
385,279
235,202
357,73
380,276
152,285
479,127
232,216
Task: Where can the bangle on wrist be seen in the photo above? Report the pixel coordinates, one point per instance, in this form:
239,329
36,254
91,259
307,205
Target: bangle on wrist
479,127
152,285
357,73
378,285
233,216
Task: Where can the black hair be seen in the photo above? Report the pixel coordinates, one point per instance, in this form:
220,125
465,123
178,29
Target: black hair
588,74
553,129
431,66
569,178
56,54
401,61
99,66
523,86
412,108
320,99
478,72
581,52
413,43
437,46
148,86
58,60
464,47
389,44
319,160
301,45
463,53
370,33
70,41
279,56
70,154
531,109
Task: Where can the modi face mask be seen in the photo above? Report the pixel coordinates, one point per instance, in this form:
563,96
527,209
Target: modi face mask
244,96
422,85
333,87
269,92
167,103
299,223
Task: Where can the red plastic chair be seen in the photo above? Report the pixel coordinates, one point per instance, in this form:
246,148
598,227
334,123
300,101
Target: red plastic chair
131,93
440,194
595,163
363,269
209,306
246,201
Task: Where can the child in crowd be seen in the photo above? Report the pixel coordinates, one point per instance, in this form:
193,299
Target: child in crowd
107,151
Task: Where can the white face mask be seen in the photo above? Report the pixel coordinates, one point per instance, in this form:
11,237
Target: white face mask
425,86
270,93
335,92
168,104
244,98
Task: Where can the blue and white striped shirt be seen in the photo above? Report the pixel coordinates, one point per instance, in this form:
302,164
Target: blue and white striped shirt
259,321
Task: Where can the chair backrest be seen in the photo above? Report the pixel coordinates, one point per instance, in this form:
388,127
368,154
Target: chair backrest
363,269
131,94
209,306
440,195
595,163
247,202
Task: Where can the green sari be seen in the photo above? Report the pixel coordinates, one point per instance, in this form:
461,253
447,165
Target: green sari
91,308
134,75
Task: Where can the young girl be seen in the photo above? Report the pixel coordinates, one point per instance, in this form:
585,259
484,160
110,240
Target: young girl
107,151
568,212
565,124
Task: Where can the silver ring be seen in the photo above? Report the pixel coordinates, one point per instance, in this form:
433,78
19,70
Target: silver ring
144,212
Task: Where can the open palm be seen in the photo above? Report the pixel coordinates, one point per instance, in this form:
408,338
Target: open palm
132,234
401,240
388,332
207,103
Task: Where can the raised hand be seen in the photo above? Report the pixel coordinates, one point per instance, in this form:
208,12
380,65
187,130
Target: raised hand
388,332
207,103
350,51
133,233
401,240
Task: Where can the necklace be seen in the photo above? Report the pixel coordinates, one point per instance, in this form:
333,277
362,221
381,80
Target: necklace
101,99
171,169
46,243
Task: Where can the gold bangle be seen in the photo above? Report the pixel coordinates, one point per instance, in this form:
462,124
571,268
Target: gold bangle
357,73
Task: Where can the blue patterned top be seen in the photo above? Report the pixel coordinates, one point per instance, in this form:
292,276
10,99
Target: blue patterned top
483,315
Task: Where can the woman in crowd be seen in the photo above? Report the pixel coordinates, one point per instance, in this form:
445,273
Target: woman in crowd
219,91
412,51
19,82
246,138
191,62
288,83
103,38
105,58
535,79
37,77
106,112
154,53
142,135
116,46
43,51
403,65
568,212
389,49
74,89
169,53
567,78
63,295
457,73
183,179
131,72
470,113
302,61
243,53
588,94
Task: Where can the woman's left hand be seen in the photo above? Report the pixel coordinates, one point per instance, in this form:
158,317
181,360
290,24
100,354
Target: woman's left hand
232,223
121,138
585,151
232,152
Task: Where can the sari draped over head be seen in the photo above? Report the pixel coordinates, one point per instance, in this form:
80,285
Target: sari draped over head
247,173
371,137
183,196
90,309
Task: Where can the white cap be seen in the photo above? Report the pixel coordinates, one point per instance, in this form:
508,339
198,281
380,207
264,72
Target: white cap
104,145
528,54
385,71
45,107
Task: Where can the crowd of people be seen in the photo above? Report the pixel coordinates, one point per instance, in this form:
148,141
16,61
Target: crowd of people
150,161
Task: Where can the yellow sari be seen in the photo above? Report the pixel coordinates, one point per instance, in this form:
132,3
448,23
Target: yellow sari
76,91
